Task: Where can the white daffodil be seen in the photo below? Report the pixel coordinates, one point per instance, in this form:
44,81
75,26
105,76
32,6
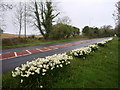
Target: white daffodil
33,68
41,86
61,65
32,73
21,81
52,68
13,75
37,71
44,70
68,62
39,65
43,74
57,66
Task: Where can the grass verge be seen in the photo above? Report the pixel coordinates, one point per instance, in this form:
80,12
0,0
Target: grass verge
98,70
40,42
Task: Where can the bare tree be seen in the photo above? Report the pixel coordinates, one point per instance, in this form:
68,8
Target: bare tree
3,8
21,17
117,18
118,12
25,19
18,20
106,27
64,20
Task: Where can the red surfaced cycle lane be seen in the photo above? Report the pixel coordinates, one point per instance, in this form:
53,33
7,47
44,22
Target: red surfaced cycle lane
36,50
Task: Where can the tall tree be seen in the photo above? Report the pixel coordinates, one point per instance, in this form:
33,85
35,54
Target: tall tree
106,27
18,20
86,30
4,6
25,18
44,14
117,18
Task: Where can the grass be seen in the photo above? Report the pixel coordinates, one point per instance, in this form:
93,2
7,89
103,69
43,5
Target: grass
7,35
33,42
98,70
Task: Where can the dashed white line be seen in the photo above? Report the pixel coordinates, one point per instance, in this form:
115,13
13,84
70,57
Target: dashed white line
39,49
29,52
55,48
48,48
15,54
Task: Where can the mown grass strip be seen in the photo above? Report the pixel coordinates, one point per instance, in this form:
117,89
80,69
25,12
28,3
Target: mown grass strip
98,70
41,42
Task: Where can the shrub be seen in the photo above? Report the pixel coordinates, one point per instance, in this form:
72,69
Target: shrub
94,32
32,36
62,31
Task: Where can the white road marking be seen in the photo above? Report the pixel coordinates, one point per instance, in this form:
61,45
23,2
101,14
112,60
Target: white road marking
55,48
15,54
29,52
39,49
47,48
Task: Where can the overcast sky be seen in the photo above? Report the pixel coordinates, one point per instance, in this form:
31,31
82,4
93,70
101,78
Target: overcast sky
81,12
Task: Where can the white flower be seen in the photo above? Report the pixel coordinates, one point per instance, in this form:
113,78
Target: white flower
21,81
17,68
13,75
41,86
62,61
57,66
23,68
52,68
39,65
61,65
44,65
33,67
68,62
38,70
44,70
43,74
32,73
83,57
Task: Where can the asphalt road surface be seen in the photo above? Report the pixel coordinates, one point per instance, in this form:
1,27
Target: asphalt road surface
12,58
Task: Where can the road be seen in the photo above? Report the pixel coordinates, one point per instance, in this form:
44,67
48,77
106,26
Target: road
12,58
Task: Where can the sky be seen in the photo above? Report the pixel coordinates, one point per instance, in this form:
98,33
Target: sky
81,12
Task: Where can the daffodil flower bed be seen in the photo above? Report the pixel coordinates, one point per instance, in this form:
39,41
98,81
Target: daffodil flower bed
102,43
84,51
81,52
93,47
37,69
37,73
